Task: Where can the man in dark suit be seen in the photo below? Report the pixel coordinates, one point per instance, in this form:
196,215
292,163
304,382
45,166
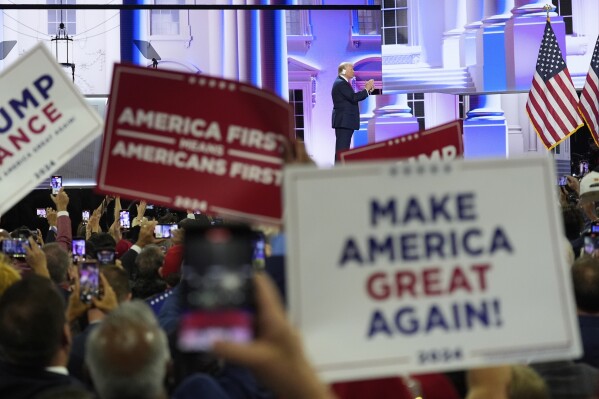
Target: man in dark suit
346,113
34,339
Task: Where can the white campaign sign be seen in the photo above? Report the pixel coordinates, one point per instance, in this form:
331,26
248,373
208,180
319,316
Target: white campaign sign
397,268
44,122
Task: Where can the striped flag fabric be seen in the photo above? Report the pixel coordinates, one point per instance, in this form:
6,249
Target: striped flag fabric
589,98
552,104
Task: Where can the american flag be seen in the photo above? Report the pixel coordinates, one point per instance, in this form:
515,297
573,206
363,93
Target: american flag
552,104
589,99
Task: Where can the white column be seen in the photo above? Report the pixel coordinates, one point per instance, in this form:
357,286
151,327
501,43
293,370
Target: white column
455,19
231,51
468,41
502,11
215,34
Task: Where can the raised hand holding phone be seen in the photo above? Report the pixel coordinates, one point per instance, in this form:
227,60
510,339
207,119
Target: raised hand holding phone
276,355
36,258
218,288
108,301
61,200
75,307
89,281
78,249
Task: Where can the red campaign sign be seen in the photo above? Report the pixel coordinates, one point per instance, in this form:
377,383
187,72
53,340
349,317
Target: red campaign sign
195,142
441,142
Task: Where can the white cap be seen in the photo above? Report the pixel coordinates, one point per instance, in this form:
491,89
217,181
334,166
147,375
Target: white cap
589,187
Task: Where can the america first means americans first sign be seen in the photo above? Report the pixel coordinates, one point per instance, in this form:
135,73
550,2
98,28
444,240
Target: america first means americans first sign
410,268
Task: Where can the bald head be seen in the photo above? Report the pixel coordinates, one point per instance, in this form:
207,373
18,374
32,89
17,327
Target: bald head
127,354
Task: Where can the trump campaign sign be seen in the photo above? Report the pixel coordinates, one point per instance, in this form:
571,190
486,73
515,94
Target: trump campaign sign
195,142
44,122
418,267
441,142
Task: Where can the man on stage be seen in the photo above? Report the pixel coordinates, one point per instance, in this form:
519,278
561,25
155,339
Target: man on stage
346,113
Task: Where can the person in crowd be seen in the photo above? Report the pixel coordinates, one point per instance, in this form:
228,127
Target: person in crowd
59,265
99,242
64,233
506,382
585,277
346,113
35,339
148,282
146,237
567,379
116,290
573,226
65,392
140,366
8,274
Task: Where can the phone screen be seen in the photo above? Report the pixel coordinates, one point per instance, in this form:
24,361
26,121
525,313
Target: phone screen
78,249
89,281
41,212
259,257
14,247
125,222
218,288
105,256
85,216
562,181
162,231
55,184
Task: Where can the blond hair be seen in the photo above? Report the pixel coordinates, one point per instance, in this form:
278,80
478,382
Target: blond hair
8,274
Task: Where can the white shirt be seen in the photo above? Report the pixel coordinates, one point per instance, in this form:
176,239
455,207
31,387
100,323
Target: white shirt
58,370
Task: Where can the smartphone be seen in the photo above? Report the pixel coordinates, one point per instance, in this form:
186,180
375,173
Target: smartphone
89,281
217,287
15,247
562,181
85,216
125,221
41,212
259,257
105,256
55,184
78,249
164,230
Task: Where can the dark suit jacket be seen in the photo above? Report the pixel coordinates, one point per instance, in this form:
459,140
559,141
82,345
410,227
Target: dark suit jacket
346,113
20,382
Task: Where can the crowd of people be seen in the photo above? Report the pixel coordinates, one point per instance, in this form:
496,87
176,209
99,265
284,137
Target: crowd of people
121,340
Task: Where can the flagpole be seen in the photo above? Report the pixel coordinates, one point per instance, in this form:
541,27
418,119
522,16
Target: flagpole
548,8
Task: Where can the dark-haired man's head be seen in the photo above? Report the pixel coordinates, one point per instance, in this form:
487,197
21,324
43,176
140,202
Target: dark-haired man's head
33,328
59,262
149,261
585,276
119,281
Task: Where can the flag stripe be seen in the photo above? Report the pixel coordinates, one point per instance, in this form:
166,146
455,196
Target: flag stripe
544,107
589,110
589,97
538,121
